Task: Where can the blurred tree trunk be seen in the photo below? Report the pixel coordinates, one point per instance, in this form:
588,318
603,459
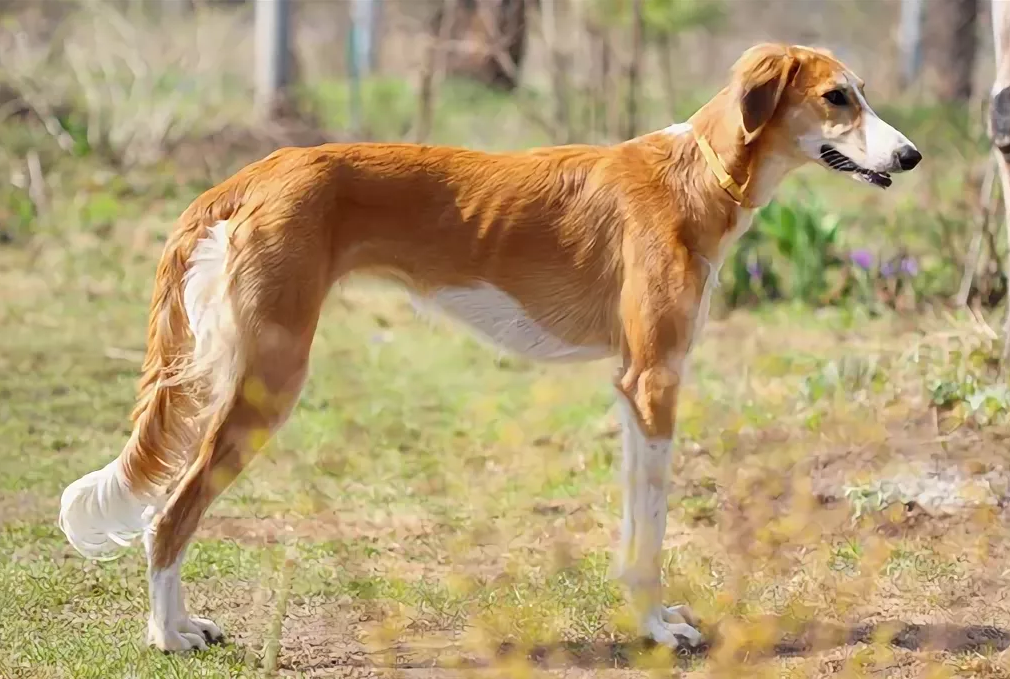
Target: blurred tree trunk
669,68
177,7
432,69
954,33
558,66
489,32
634,68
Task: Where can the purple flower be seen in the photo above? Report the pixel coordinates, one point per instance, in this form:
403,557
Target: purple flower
909,266
887,269
754,269
861,258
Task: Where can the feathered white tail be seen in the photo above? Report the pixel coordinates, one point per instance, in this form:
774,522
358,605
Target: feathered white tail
99,514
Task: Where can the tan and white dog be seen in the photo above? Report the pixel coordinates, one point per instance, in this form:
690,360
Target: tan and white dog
569,253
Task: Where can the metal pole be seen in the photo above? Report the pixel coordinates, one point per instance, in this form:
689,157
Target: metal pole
363,22
272,33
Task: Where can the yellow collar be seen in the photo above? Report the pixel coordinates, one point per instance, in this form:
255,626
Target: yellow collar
726,180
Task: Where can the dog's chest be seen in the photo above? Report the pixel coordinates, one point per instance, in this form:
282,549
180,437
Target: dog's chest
743,221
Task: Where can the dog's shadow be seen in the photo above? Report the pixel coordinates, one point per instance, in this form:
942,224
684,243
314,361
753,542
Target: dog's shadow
811,638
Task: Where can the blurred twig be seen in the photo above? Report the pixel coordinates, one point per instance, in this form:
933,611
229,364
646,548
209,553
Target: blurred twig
136,96
36,182
129,355
29,57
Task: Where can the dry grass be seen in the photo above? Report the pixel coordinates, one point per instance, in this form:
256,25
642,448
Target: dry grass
438,506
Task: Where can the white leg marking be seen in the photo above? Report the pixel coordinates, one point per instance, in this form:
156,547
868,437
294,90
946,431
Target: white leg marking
169,627
646,474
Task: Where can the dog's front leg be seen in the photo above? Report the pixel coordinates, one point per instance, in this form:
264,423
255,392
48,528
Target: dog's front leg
648,402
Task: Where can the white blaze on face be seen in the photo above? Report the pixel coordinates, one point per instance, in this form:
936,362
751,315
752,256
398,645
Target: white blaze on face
882,141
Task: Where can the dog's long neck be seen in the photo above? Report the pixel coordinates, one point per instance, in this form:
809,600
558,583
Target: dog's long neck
756,166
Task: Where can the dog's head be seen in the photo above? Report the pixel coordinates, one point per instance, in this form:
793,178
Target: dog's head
804,103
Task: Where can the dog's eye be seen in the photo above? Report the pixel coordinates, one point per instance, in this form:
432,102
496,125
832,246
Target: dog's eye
837,98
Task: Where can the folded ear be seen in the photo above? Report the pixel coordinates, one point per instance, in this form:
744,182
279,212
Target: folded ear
762,74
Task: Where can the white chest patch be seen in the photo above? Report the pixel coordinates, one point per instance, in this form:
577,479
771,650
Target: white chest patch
500,319
743,222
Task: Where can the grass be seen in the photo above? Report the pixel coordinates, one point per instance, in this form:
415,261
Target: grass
438,499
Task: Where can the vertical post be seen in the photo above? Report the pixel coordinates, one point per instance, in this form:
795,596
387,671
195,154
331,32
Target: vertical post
272,35
363,16
910,41
360,56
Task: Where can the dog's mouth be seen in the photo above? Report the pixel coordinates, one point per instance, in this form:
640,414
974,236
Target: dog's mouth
836,160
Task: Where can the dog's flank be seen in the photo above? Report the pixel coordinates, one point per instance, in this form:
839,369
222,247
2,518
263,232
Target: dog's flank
567,253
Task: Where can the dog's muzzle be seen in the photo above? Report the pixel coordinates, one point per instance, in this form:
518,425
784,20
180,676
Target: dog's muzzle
836,160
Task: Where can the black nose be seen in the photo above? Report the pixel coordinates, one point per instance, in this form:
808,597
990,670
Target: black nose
908,157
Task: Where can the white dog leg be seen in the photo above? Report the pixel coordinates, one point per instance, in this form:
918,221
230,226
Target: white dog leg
169,627
646,476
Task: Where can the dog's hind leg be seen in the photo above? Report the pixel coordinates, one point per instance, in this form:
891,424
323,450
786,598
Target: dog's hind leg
260,337
267,391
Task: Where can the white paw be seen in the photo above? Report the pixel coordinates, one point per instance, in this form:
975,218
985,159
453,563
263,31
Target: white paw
667,625
188,634
211,632
680,613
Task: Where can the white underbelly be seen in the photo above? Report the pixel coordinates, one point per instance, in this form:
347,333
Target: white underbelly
499,319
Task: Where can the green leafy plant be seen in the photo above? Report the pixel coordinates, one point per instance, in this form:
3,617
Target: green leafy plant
17,214
789,253
848,375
